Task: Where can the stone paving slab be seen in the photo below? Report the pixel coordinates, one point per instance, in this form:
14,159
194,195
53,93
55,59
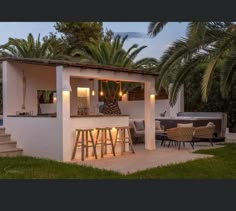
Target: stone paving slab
145,159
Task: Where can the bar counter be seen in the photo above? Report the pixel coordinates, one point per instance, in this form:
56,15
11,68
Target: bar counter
72,116
33,116
94,121
106,115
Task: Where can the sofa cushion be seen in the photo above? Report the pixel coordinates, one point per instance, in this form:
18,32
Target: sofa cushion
185,125
140,133
159,131
139,125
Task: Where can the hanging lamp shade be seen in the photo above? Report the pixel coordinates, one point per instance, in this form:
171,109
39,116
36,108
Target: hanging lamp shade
101,90
153,91
67,87
92,87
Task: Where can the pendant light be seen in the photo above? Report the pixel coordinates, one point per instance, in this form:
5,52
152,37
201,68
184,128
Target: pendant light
101,89
120,92
92,87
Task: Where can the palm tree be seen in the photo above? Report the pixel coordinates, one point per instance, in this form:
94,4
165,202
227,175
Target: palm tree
113,53
212,43
32,48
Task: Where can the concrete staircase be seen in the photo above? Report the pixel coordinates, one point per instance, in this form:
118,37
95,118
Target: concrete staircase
7,146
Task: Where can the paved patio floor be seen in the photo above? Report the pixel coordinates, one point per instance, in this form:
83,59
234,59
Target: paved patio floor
144,159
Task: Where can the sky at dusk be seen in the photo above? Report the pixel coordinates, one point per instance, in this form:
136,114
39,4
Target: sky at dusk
137,32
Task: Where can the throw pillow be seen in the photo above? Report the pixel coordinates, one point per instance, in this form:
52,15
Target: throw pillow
185,125
158,125
139,125
210,124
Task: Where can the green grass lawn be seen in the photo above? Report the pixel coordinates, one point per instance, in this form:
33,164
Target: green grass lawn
222,165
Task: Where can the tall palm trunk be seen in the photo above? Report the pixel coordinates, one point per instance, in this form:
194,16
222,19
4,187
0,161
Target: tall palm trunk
111,106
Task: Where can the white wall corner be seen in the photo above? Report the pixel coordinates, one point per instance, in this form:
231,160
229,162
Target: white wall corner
4,90
179,105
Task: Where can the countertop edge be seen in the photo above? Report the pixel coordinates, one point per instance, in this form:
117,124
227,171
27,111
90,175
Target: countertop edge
75,116
31,116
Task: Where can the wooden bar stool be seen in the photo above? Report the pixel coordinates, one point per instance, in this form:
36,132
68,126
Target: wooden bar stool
105,140
84,142
125,137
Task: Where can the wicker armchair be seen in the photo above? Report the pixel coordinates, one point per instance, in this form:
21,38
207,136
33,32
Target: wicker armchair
181,135
204,133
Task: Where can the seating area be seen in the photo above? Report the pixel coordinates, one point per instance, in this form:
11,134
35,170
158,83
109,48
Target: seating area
183,133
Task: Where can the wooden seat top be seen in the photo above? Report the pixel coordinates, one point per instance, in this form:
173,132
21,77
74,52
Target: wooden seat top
103,128
84,129
123,127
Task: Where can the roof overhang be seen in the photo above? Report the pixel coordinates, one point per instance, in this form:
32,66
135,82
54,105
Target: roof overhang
49,62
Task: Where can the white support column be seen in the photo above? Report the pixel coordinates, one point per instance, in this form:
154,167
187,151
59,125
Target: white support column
149,114
63,111
4,91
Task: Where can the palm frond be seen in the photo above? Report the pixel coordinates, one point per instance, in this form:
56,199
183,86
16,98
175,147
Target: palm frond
227,74
155,28
182,74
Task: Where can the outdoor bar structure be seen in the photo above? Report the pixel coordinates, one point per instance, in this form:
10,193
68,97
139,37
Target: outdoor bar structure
53,136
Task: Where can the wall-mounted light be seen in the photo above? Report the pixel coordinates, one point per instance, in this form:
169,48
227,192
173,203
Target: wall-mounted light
67,87
152,96
101,89
92,87
153,91
120,91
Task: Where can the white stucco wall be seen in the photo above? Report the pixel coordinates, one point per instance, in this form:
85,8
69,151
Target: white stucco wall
37,78
90,122
82,82
179,105
136,108
37,136
12,92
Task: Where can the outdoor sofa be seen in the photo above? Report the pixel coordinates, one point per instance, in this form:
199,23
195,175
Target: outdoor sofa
138,129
